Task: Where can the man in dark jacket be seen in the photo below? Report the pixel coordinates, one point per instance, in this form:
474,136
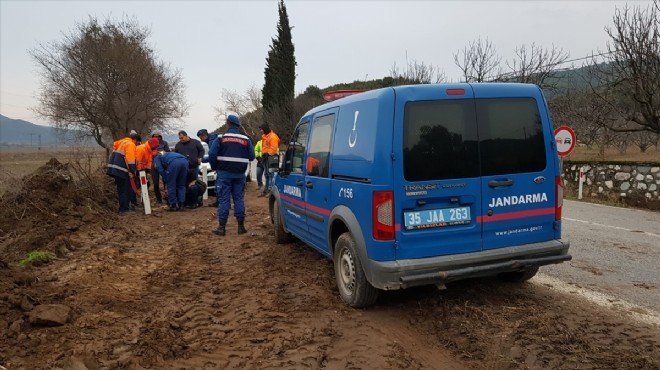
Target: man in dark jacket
229,157
191,149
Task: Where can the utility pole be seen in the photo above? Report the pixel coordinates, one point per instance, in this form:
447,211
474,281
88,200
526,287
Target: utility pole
31,135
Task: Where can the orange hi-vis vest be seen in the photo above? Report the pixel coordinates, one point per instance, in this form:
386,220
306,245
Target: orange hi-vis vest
122,158
270,143
144,155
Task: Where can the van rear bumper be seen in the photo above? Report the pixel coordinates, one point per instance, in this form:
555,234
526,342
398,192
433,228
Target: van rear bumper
445,269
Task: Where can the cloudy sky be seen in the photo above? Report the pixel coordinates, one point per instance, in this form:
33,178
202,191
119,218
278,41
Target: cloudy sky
223,44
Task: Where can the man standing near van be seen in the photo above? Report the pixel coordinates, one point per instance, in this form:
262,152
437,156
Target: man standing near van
229,157
270,146
260,165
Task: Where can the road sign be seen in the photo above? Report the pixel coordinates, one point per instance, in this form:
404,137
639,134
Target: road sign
565,140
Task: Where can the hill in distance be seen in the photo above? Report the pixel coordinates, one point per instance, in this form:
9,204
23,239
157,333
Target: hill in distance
18,132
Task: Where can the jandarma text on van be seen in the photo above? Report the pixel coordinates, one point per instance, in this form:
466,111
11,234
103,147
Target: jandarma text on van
518,199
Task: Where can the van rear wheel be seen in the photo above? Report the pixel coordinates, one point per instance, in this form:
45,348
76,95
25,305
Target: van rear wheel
519,276
354,288
281,236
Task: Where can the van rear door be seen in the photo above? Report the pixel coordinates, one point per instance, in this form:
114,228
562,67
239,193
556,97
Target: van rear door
517,166
437,189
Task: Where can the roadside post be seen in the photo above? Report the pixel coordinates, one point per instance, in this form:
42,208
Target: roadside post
206,182
145,193
580,182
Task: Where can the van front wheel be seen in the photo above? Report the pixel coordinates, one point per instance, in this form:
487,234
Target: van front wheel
354,288
281,236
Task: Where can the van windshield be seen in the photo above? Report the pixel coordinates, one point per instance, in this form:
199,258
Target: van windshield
450,139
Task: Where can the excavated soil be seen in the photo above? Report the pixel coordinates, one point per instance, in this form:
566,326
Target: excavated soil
163,292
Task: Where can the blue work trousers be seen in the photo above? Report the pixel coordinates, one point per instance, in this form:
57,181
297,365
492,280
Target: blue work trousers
124,192
260,174
223,189
177,174
269,180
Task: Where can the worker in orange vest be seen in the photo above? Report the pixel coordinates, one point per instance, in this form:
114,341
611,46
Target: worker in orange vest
121,166
270,146
144,154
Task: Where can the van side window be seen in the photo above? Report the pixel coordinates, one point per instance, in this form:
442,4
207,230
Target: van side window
293,158
440,140
510,135
318,158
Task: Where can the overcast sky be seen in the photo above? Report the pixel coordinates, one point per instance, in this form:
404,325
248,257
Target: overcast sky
223,44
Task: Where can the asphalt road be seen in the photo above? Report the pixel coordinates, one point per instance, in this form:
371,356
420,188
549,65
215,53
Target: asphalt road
616,254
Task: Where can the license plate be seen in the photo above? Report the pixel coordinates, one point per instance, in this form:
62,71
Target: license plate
440,217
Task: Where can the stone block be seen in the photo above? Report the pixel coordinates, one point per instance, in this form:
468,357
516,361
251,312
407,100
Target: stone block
622,176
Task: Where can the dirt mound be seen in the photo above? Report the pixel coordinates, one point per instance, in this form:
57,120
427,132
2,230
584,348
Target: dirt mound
46,207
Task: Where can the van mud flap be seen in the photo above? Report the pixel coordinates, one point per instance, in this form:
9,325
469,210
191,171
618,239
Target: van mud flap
442,277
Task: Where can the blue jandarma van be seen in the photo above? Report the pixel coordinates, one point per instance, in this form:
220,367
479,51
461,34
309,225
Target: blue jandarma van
424,184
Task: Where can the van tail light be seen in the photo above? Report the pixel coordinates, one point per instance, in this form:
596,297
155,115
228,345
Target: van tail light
383,215
559,197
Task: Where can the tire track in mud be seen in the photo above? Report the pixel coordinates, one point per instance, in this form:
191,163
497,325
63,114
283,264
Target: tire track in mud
243,302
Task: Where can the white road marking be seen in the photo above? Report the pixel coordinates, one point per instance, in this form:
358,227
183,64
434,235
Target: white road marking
639,313
610,226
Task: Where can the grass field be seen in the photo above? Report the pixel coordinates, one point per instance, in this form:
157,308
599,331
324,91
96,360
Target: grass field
16,162
633,154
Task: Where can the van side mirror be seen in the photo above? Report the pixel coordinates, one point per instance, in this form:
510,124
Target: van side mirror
273,163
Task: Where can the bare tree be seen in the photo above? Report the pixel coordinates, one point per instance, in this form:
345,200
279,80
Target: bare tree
644,140
478,61
631,71
245,105
535,64
104,80
589,116
417,73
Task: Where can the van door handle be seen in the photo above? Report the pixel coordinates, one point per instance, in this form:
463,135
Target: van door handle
496,183
309,185
299,183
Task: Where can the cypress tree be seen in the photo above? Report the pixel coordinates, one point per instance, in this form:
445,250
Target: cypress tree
280,73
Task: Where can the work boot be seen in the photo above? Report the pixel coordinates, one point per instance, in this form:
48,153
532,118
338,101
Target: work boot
180,207
220,230
214,204
172,208
241,229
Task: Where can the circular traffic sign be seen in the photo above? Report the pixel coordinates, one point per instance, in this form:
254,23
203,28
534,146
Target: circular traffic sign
565,140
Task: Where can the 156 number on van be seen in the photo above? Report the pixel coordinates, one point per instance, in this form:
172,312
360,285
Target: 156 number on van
346,193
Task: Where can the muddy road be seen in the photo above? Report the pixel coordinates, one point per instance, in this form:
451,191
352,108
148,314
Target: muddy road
163,292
